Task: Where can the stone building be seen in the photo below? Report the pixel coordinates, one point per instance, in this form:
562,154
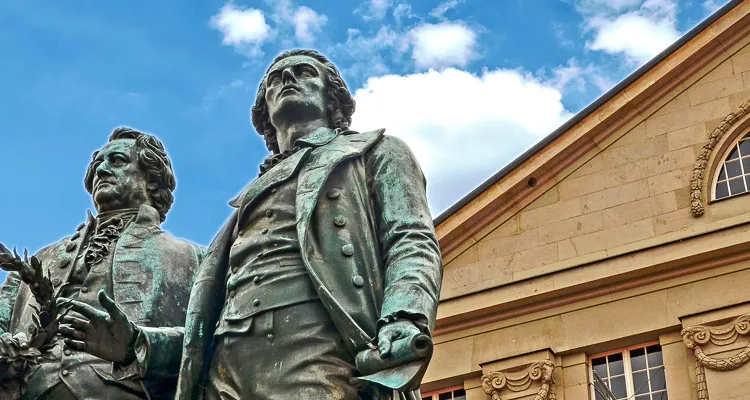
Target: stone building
614,256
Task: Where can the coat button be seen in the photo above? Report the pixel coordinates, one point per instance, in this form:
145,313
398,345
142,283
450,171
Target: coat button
68,352
256,302
273,190
334,194
234,270
70,247
56,282
84,289
256,280
231,294
65,372
339,221
347,250
264,231
81,226
358,281
269,213
64,263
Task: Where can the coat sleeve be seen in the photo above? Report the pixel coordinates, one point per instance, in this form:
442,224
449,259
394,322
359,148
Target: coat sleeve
158,352
408,243
8,294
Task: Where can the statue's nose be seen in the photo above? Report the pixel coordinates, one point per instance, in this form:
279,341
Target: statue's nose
287,75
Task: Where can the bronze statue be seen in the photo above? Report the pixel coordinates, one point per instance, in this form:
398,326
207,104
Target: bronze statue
119,264
324,283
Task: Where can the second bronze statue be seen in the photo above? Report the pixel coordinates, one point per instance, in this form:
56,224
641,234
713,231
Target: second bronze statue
330,254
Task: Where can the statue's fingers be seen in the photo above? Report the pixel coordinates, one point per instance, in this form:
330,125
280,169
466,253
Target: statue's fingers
85,310
384,345
71,333
75,345
112,308
77,323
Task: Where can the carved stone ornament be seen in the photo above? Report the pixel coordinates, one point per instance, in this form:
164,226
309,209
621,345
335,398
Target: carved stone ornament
544,371
723,335
699,170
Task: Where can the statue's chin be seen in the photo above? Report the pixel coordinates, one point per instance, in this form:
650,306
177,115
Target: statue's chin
105,201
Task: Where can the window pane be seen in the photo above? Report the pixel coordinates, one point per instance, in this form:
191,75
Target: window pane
638,359
737,185
615,365
599,394
660,396
657,380
618,387
722,190
640,382
734,154
459,394
643,397
722,174
745,148
746,163
445,396
654,356
733,168
600,366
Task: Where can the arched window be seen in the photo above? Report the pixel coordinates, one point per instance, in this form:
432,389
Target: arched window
734,174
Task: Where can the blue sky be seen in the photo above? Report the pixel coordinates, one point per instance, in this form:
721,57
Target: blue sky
469,85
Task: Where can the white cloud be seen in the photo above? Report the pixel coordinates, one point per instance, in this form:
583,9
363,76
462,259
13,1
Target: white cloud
639,34
307,23
243,28
402,11
462,127
440,10
373,9
442,45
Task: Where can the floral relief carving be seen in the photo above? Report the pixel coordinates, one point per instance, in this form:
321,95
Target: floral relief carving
696,336
543,371
699,170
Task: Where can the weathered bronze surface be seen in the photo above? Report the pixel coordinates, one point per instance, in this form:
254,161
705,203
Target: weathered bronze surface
324,282
118,275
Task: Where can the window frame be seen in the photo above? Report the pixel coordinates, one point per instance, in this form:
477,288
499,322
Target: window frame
627,366
719,166
434,394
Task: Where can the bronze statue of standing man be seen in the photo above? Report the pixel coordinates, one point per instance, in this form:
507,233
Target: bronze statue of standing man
119,265
328,270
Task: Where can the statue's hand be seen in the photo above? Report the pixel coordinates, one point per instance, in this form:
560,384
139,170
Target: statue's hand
12,350
109,335
393,331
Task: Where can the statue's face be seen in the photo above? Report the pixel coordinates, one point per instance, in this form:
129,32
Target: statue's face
296,90
119,182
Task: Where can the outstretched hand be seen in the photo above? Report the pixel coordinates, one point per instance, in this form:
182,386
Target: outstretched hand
393,331
108,335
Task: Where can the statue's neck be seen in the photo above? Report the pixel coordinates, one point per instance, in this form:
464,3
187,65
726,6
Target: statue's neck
287,135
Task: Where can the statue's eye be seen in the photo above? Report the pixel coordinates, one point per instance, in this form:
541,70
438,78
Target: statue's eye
306,72
275,79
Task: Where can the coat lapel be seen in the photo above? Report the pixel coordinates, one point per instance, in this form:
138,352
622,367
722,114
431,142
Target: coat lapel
312,179
133,263
275,176
64,267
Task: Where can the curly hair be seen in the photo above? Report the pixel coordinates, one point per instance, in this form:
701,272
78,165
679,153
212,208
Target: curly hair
340,101
153,159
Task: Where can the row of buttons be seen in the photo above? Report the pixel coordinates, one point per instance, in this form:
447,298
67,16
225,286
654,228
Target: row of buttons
347,249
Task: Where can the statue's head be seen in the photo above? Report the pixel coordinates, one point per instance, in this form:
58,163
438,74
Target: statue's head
133,169
299,84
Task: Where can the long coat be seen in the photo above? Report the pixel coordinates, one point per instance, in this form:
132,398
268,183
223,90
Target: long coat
151,275
383,263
